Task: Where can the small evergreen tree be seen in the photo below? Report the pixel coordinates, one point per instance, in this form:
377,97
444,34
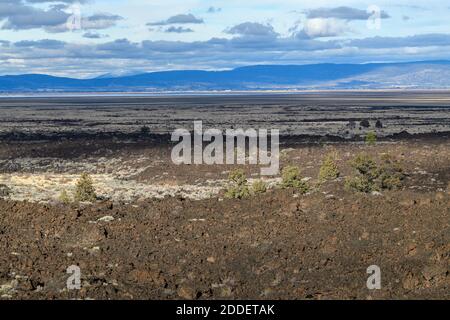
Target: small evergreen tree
64,197
238,188
259,186
291,179
329,169
85,191
371,138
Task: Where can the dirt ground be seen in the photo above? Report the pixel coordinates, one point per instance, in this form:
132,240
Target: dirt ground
277,245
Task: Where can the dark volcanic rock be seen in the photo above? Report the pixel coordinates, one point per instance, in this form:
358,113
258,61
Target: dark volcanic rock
365,123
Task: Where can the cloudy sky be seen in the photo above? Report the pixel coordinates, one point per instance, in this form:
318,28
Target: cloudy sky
87,38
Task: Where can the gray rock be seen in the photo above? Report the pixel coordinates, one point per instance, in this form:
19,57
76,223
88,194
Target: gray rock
5,191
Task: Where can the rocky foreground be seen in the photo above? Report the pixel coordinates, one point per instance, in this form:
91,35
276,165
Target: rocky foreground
276,245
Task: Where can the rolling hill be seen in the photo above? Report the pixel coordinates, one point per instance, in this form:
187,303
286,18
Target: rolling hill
418,75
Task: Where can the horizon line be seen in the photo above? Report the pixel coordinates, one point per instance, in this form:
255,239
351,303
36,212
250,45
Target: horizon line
223,70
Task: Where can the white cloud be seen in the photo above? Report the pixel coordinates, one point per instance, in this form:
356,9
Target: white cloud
252,29
178,19
343,12
321,28
25,15
242,33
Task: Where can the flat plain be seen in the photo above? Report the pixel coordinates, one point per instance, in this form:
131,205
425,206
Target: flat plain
293,114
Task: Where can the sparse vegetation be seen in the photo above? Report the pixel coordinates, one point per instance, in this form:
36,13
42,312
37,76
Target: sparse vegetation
392,173
371,138
259,187
85,191
329,169
360,183
367,173
373,177
64,197
291,178
364,164
238,188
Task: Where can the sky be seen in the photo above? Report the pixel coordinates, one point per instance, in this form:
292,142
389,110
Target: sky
89,38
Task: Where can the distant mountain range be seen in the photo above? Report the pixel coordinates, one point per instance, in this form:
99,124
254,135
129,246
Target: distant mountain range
415,75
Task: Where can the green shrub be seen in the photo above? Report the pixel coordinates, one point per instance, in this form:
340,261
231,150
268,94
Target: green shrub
259,186
360,184
365,165
392,173
238,188
85,191
391,181
238,177
373,177
291,178
329,169
371,138
64,197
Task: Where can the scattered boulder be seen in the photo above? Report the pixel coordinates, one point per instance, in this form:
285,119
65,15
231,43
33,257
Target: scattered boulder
401,135
106,219
365,123
6,290
186,292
